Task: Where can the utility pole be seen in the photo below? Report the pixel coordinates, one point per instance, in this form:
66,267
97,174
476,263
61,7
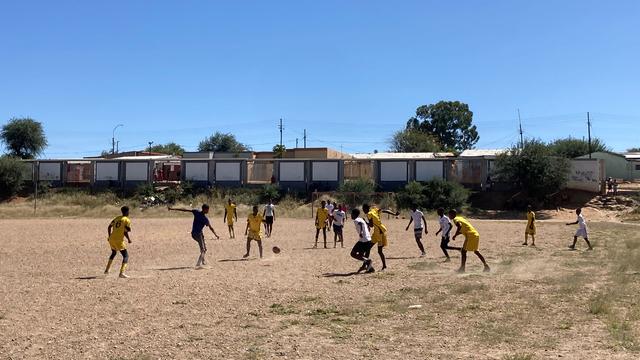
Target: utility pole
521,138
589,132
281,128
296,143
113,139
305,138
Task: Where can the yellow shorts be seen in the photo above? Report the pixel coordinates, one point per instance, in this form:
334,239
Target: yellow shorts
471,243
321,226
254,235
530,231
117,245
230,222
380,239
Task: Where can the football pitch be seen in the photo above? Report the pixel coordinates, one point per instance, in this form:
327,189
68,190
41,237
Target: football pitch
536,303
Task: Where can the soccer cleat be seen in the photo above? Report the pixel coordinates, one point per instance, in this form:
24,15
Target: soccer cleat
124,276
371,270
423,254
487,268
572,247
245,256
363,267
447,260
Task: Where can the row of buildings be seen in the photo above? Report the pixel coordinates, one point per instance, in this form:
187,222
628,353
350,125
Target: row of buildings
309,169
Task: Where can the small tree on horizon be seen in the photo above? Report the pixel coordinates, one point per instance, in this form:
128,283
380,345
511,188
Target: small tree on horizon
169,148
572,148
279,150
222,142
414,141
23,138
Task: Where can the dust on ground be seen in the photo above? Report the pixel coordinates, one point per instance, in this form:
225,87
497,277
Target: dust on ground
537,303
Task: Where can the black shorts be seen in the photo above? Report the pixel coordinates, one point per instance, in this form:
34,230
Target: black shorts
200,239
268,220
337,229
444,242
362,247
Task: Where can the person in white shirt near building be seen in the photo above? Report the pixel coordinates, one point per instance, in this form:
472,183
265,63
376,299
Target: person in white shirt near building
364,244
338,218
269,215
445,229
582,230
417,218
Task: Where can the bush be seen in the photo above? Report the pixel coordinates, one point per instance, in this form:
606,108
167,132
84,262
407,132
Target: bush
432,195
11,177
356,192
269,191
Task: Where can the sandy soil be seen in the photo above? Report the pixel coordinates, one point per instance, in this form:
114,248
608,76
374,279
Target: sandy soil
303,303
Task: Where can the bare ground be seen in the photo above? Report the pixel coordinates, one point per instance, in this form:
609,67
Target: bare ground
537,303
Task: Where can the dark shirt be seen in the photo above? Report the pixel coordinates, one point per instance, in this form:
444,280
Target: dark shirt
200,220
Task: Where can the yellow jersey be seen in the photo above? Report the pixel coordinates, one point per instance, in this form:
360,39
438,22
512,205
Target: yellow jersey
230,211
466,228
322,215
374,216
119,226
531,217
255,222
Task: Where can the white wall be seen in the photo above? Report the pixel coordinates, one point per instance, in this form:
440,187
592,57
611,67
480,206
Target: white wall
428,170
291,171
136,171
324,171
196,171
393,171
107,171
586,175
228,171
49,171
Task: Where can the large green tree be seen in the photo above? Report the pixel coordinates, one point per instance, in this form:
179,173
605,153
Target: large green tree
533,168
23,138
450,122
169,148
572,148
414,141
221,142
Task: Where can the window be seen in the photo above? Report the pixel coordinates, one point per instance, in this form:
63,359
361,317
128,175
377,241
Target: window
637,167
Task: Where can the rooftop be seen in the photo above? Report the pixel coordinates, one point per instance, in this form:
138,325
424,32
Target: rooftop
394,155
482,152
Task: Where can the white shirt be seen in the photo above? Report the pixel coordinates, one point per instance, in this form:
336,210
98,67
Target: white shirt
268,209
582,224
445,225
338,217
417,219
330,207
363,230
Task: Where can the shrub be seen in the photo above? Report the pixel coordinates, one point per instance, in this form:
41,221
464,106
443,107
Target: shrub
11,177
269,191
432,195
356,192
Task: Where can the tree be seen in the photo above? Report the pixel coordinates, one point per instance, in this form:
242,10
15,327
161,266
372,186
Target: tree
633,150
572,148
169,148
450,122
24,138
11,176
279,150
221,142
414,141
432,195
533,168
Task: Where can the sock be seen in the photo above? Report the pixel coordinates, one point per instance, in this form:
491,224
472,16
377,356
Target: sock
123,267
108,265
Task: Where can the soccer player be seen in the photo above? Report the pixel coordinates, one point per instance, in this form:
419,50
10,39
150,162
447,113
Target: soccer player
582,230
417,218
379,235
253,231
362,248
229,214
119,229
200,220
445,229
471,240
269,215
531,227
330,208
322,218
338,225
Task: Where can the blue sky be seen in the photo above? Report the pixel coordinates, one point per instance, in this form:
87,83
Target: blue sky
350,72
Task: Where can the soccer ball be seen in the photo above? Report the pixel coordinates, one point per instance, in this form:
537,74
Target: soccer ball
276,250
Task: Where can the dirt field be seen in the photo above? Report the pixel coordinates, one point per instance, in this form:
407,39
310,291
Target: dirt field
537,303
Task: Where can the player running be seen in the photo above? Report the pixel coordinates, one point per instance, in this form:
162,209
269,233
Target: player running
531,227
445,229
362,248
269,215
322,218
118,229
200,220
582,230
417,218
471,240
379,235
230,213
253,231
338,225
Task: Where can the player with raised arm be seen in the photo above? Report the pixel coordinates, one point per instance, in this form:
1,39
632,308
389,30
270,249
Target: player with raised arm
582,230
379,234
200,220
417,218
117,231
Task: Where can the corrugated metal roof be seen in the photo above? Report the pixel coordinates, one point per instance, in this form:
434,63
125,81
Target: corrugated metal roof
482,152
632,156
393,155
